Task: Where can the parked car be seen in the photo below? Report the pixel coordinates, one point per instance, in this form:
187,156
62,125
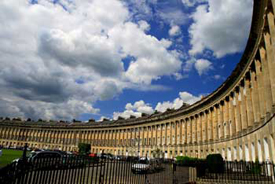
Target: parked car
45,159
42,160
142,166
107,156
92,155
118,157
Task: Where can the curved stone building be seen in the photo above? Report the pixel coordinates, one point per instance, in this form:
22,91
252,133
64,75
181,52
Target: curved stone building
236,120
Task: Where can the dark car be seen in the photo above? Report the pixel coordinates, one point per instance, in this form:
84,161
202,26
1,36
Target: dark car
45,159
107,156
142,166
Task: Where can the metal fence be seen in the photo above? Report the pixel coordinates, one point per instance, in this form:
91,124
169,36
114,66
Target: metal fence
86,170
242,171
71,170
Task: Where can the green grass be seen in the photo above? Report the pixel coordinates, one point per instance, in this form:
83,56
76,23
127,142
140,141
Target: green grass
9,155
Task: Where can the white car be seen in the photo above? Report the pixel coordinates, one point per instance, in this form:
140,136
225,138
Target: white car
143,166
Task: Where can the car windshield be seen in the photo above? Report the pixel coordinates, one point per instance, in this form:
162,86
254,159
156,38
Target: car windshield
29,155
143,162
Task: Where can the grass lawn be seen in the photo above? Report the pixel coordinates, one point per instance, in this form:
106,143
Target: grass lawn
9,155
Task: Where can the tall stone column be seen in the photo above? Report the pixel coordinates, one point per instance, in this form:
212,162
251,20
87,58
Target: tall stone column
221,120
173,133
170,125
156,135
162,141
226,118
200,127
267,82
164,134
194,129
232,119
273,6
204,127
189,133
255,97
185,131
249,106
237,112
242,101
270,63
260,84
215,123
209,113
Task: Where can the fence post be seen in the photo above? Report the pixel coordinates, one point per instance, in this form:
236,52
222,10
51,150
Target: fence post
174,169
25,152
273,171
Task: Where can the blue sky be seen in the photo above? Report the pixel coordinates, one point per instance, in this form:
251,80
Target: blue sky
67,59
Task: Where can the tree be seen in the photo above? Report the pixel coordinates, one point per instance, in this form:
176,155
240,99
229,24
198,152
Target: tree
84,149
157,153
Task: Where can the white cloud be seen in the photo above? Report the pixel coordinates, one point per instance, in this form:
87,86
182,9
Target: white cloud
221,27
141,107
184,97
168,12
191,3
203,66
102,118
136,110
172,15
188,97
189,65
174,30
45,110
152,59
217,77
143,25
68,57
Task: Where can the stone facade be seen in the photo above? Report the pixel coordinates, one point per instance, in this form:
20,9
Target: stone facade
237,120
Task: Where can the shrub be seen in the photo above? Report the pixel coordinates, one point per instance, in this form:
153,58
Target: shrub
215,163
188,161
256,167
84,149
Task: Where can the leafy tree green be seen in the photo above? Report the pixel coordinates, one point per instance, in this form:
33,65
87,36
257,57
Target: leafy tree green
256,167
157,153
84,149
188,161
215,163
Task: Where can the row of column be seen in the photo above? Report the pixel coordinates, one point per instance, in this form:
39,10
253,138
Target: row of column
246,106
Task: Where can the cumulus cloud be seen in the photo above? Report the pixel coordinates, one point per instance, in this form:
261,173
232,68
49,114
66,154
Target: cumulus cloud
189,64
143,25
141,107
58,59
163,11
220,26
189,98
191,3
203,66
184,97
174,30
152,59
135,109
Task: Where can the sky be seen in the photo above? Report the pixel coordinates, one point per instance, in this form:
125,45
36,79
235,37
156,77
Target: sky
83,59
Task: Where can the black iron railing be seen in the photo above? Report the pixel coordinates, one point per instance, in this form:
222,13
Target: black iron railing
242,171
73,169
